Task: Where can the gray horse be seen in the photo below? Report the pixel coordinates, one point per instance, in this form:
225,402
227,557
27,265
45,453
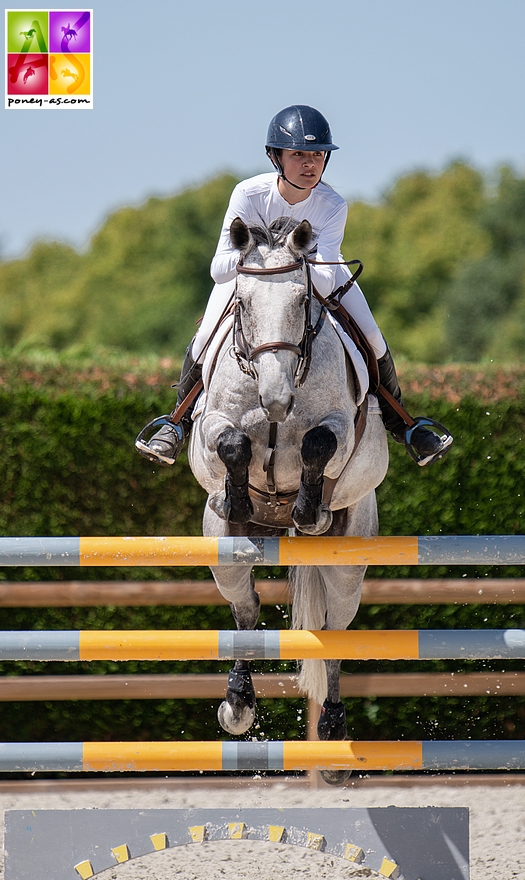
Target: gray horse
276,448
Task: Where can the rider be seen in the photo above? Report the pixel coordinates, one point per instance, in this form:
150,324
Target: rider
299,144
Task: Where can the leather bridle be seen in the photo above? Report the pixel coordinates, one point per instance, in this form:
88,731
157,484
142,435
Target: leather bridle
246,355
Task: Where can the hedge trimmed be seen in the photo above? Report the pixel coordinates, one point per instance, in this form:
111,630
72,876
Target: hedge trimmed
69,468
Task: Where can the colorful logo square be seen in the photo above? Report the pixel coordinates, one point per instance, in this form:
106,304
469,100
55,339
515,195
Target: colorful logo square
27,74
69,32
69,74
27,31
49,59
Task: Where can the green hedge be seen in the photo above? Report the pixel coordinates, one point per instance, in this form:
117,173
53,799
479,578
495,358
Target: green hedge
69,468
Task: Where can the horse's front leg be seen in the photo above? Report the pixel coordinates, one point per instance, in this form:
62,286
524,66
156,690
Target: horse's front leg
309,514
236,713
234,449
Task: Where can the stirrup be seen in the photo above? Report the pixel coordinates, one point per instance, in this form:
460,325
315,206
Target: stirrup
444,436
141,444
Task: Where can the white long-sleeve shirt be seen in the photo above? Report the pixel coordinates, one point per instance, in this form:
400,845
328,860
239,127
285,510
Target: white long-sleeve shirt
258,200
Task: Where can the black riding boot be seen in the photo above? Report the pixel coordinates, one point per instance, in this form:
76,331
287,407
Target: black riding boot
166,445
427,445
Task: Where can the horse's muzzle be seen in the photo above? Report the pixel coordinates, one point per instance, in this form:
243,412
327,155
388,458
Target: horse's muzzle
277,410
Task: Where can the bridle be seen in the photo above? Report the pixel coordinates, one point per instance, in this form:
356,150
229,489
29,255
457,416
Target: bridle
245,355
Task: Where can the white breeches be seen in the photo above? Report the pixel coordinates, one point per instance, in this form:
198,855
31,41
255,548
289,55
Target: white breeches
353,301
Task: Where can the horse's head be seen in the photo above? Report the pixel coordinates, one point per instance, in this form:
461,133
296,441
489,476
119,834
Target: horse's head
272,309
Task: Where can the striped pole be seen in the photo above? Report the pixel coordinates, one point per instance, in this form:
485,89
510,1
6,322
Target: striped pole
288,756
485,644
441,550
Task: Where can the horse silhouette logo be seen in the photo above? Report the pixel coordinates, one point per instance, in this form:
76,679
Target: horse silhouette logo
69,33
29,72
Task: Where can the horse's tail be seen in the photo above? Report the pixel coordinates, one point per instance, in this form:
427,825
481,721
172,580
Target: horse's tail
309,612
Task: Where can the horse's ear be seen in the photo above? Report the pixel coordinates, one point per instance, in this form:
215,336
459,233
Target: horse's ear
299,240
240,236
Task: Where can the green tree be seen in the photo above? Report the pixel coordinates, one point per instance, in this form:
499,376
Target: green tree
412,243
141,286
486,301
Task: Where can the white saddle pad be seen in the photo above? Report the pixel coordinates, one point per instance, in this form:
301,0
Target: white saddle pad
209,361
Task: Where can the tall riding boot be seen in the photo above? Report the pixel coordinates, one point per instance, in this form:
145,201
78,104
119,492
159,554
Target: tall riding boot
428,445
166,445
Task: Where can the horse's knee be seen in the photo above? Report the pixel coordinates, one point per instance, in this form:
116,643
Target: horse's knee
234,449
309,514
318,447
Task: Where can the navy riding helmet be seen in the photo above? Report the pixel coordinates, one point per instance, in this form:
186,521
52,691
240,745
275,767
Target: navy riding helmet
298,128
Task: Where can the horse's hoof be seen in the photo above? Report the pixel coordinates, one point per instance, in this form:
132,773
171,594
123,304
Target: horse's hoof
335,777
239,512
217,503
322,523
235,724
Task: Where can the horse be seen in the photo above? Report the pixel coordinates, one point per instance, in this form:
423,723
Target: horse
69,33
275,436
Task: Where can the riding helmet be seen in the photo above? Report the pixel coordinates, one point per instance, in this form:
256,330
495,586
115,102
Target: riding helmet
298,128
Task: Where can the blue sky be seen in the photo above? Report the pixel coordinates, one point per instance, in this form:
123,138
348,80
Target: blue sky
185,90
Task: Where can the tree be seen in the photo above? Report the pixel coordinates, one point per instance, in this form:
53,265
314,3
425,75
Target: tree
486,300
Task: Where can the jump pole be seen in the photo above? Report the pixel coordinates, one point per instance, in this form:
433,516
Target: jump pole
85,645
252,756
174,551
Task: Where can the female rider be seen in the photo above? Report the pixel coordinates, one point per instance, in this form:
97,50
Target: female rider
299,144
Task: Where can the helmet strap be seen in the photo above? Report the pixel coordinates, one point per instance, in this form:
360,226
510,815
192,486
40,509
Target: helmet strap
275,161
289,182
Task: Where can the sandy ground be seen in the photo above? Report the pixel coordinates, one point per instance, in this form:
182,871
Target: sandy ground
497,826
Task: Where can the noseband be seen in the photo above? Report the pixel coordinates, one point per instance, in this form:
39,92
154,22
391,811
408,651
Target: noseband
246,355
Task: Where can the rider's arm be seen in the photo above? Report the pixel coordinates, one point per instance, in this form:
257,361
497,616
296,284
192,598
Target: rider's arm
226,257
327,218
329,250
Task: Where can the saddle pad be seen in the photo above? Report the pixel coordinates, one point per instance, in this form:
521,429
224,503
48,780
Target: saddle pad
209,361
356,358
